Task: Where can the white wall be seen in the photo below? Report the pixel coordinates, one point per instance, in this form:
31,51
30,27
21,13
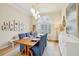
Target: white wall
7,13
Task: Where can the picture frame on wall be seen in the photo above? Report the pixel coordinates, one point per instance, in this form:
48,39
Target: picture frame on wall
16,24
71,18
2,28
21,26
5,26
11,26
4,23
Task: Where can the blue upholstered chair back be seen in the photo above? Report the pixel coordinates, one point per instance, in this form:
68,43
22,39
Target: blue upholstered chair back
38,49
34,34
27,34
42,43
31,33
46,39
22,35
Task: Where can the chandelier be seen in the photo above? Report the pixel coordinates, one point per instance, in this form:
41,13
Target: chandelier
35,13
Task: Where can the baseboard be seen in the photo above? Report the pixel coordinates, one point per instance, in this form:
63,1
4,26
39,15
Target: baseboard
56,41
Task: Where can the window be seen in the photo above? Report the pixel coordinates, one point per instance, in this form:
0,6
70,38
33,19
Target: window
44,25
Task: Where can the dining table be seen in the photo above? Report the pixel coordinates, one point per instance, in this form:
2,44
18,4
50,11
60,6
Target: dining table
28,43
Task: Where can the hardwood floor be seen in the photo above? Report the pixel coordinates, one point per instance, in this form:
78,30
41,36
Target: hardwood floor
52,49
7,49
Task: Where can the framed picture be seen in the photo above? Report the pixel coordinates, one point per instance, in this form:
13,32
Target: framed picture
16,24
21,26
71,18
5,26
2,28
11,25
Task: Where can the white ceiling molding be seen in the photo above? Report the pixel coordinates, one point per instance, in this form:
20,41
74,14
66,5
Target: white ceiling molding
21,7
51,7
42,7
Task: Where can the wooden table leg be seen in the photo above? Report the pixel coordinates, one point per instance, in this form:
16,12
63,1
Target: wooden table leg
25,50
28,50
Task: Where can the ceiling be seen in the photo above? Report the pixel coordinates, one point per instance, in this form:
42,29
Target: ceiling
42,7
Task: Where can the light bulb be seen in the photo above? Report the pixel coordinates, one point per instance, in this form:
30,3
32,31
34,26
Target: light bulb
37,12
35,17
38,16
32,10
